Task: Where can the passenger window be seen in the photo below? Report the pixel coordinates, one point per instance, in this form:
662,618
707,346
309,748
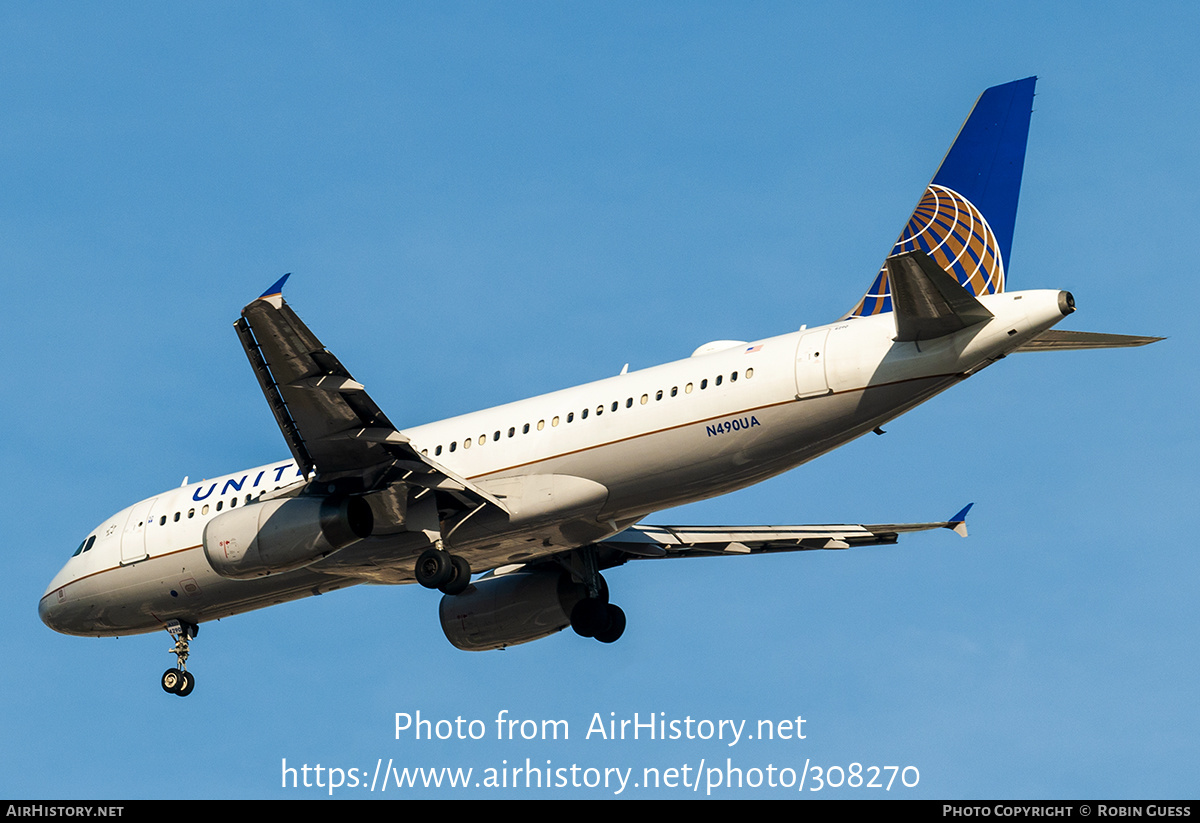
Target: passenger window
674,390
583,414
525,430
176,517
570,417
454,445
599,410
162,521
220,503
658,395
733,377
687,389
482,439
437,452
496,436
629,403
233,502
749,373
467,443
718,380
704,384
191,513
645,399
614,405
205,509
511,432
554,422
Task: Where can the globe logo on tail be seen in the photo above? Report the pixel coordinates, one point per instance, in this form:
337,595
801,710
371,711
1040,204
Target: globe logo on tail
951,230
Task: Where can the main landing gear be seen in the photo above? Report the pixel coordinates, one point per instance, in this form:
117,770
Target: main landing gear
438,569
595,617
178,680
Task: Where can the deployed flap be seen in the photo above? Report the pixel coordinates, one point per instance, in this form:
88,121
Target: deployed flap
329,422
690,541
1058,340
928,302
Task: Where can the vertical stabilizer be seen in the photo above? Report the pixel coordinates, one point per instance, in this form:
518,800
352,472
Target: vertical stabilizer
964,220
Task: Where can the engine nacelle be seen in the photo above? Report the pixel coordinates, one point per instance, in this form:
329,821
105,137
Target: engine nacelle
277,536
510,609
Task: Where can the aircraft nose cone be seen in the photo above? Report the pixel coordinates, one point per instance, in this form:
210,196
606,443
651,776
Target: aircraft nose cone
47,611
62,615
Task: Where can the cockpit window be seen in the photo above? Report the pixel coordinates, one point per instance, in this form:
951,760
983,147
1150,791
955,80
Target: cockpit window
84,546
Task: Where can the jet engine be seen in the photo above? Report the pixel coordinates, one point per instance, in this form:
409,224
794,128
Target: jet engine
277,536
495,612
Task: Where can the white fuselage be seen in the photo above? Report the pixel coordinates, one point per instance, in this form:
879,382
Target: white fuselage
574,466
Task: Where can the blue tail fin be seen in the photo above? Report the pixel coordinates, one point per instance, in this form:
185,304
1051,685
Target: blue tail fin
965,219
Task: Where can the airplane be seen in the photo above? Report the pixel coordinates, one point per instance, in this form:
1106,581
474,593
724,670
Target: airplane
538,497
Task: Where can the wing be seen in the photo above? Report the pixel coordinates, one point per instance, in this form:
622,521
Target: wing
712,541
334,429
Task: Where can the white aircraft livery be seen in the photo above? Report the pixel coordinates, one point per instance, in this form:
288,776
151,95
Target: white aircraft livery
538,497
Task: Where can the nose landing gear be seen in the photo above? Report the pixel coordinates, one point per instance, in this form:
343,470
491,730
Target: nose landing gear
178,680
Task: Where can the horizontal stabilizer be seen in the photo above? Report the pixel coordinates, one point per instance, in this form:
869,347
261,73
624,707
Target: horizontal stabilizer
927,301
1058,340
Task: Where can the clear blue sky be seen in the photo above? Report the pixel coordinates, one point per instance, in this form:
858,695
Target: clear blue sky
483,202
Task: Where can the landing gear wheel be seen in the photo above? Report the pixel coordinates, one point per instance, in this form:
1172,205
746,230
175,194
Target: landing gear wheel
434,568
616,625
177,680
589,617
460,579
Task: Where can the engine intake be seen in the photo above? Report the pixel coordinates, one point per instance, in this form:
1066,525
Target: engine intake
277,536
